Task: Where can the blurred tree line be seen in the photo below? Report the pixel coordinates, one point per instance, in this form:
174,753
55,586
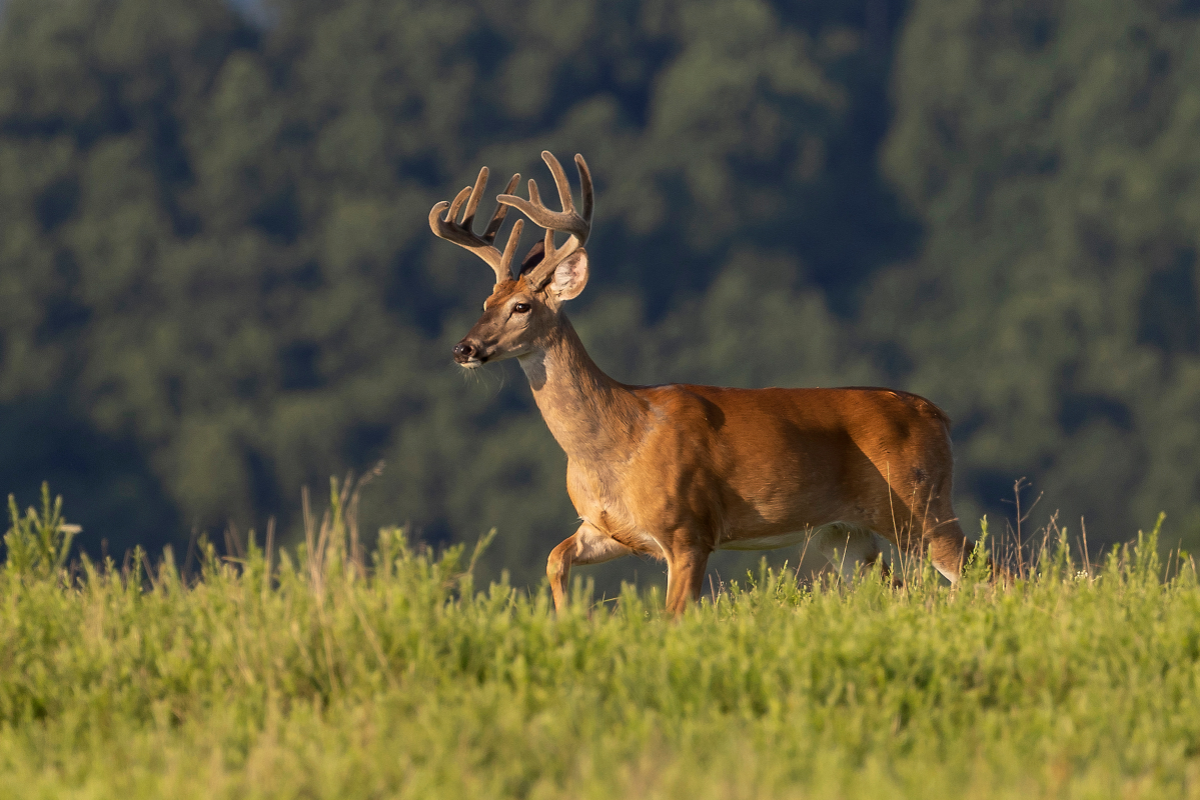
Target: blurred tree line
217,283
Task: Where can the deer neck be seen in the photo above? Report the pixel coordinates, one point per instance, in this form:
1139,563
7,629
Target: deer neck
590,415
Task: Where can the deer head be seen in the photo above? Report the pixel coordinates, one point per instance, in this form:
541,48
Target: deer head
523,310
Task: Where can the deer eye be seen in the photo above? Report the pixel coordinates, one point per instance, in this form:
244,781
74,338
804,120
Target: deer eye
521,308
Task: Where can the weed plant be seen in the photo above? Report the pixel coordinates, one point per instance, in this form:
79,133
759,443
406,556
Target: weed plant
325,673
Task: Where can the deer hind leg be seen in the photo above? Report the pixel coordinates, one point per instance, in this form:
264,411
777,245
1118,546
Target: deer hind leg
942,537
588,545
685,578
922,520
947,548
848,548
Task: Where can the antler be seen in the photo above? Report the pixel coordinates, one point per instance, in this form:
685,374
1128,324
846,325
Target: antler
460,232
566,220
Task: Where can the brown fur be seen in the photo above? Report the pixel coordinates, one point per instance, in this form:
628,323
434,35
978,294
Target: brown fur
677,471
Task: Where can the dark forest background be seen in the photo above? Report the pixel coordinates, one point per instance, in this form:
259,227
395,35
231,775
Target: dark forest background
217,283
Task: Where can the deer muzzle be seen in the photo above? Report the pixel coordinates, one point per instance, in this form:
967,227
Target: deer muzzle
468,353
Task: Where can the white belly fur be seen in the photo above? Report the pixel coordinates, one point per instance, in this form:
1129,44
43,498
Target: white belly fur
766,542
841,536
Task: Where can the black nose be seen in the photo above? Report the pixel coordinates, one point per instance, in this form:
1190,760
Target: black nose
463,351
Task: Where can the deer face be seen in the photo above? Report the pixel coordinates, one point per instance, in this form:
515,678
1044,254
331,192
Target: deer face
517,319
512,319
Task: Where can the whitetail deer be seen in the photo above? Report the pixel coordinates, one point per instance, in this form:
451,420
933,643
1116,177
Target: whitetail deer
678,471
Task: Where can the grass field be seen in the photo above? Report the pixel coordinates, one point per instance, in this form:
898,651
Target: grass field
406,680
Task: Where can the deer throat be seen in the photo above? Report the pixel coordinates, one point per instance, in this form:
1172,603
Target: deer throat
591,416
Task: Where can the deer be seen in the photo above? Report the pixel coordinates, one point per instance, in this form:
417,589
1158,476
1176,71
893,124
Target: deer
678,471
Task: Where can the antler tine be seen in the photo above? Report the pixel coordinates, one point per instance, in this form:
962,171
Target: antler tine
566,220
510,249
585,185
460,233
489,233
444,229
535,199
459,199
560,181
468,220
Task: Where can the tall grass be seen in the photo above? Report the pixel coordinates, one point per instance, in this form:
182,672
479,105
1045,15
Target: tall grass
328,673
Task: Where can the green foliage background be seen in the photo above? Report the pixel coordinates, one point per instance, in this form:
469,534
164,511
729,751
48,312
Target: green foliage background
217,284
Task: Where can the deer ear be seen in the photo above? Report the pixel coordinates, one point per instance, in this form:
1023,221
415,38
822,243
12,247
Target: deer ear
570,276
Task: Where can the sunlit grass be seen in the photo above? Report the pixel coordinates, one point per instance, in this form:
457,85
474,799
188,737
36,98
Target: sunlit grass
322,674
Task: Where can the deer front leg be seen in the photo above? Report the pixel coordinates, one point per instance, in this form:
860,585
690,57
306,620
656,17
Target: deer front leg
685,578
588,545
